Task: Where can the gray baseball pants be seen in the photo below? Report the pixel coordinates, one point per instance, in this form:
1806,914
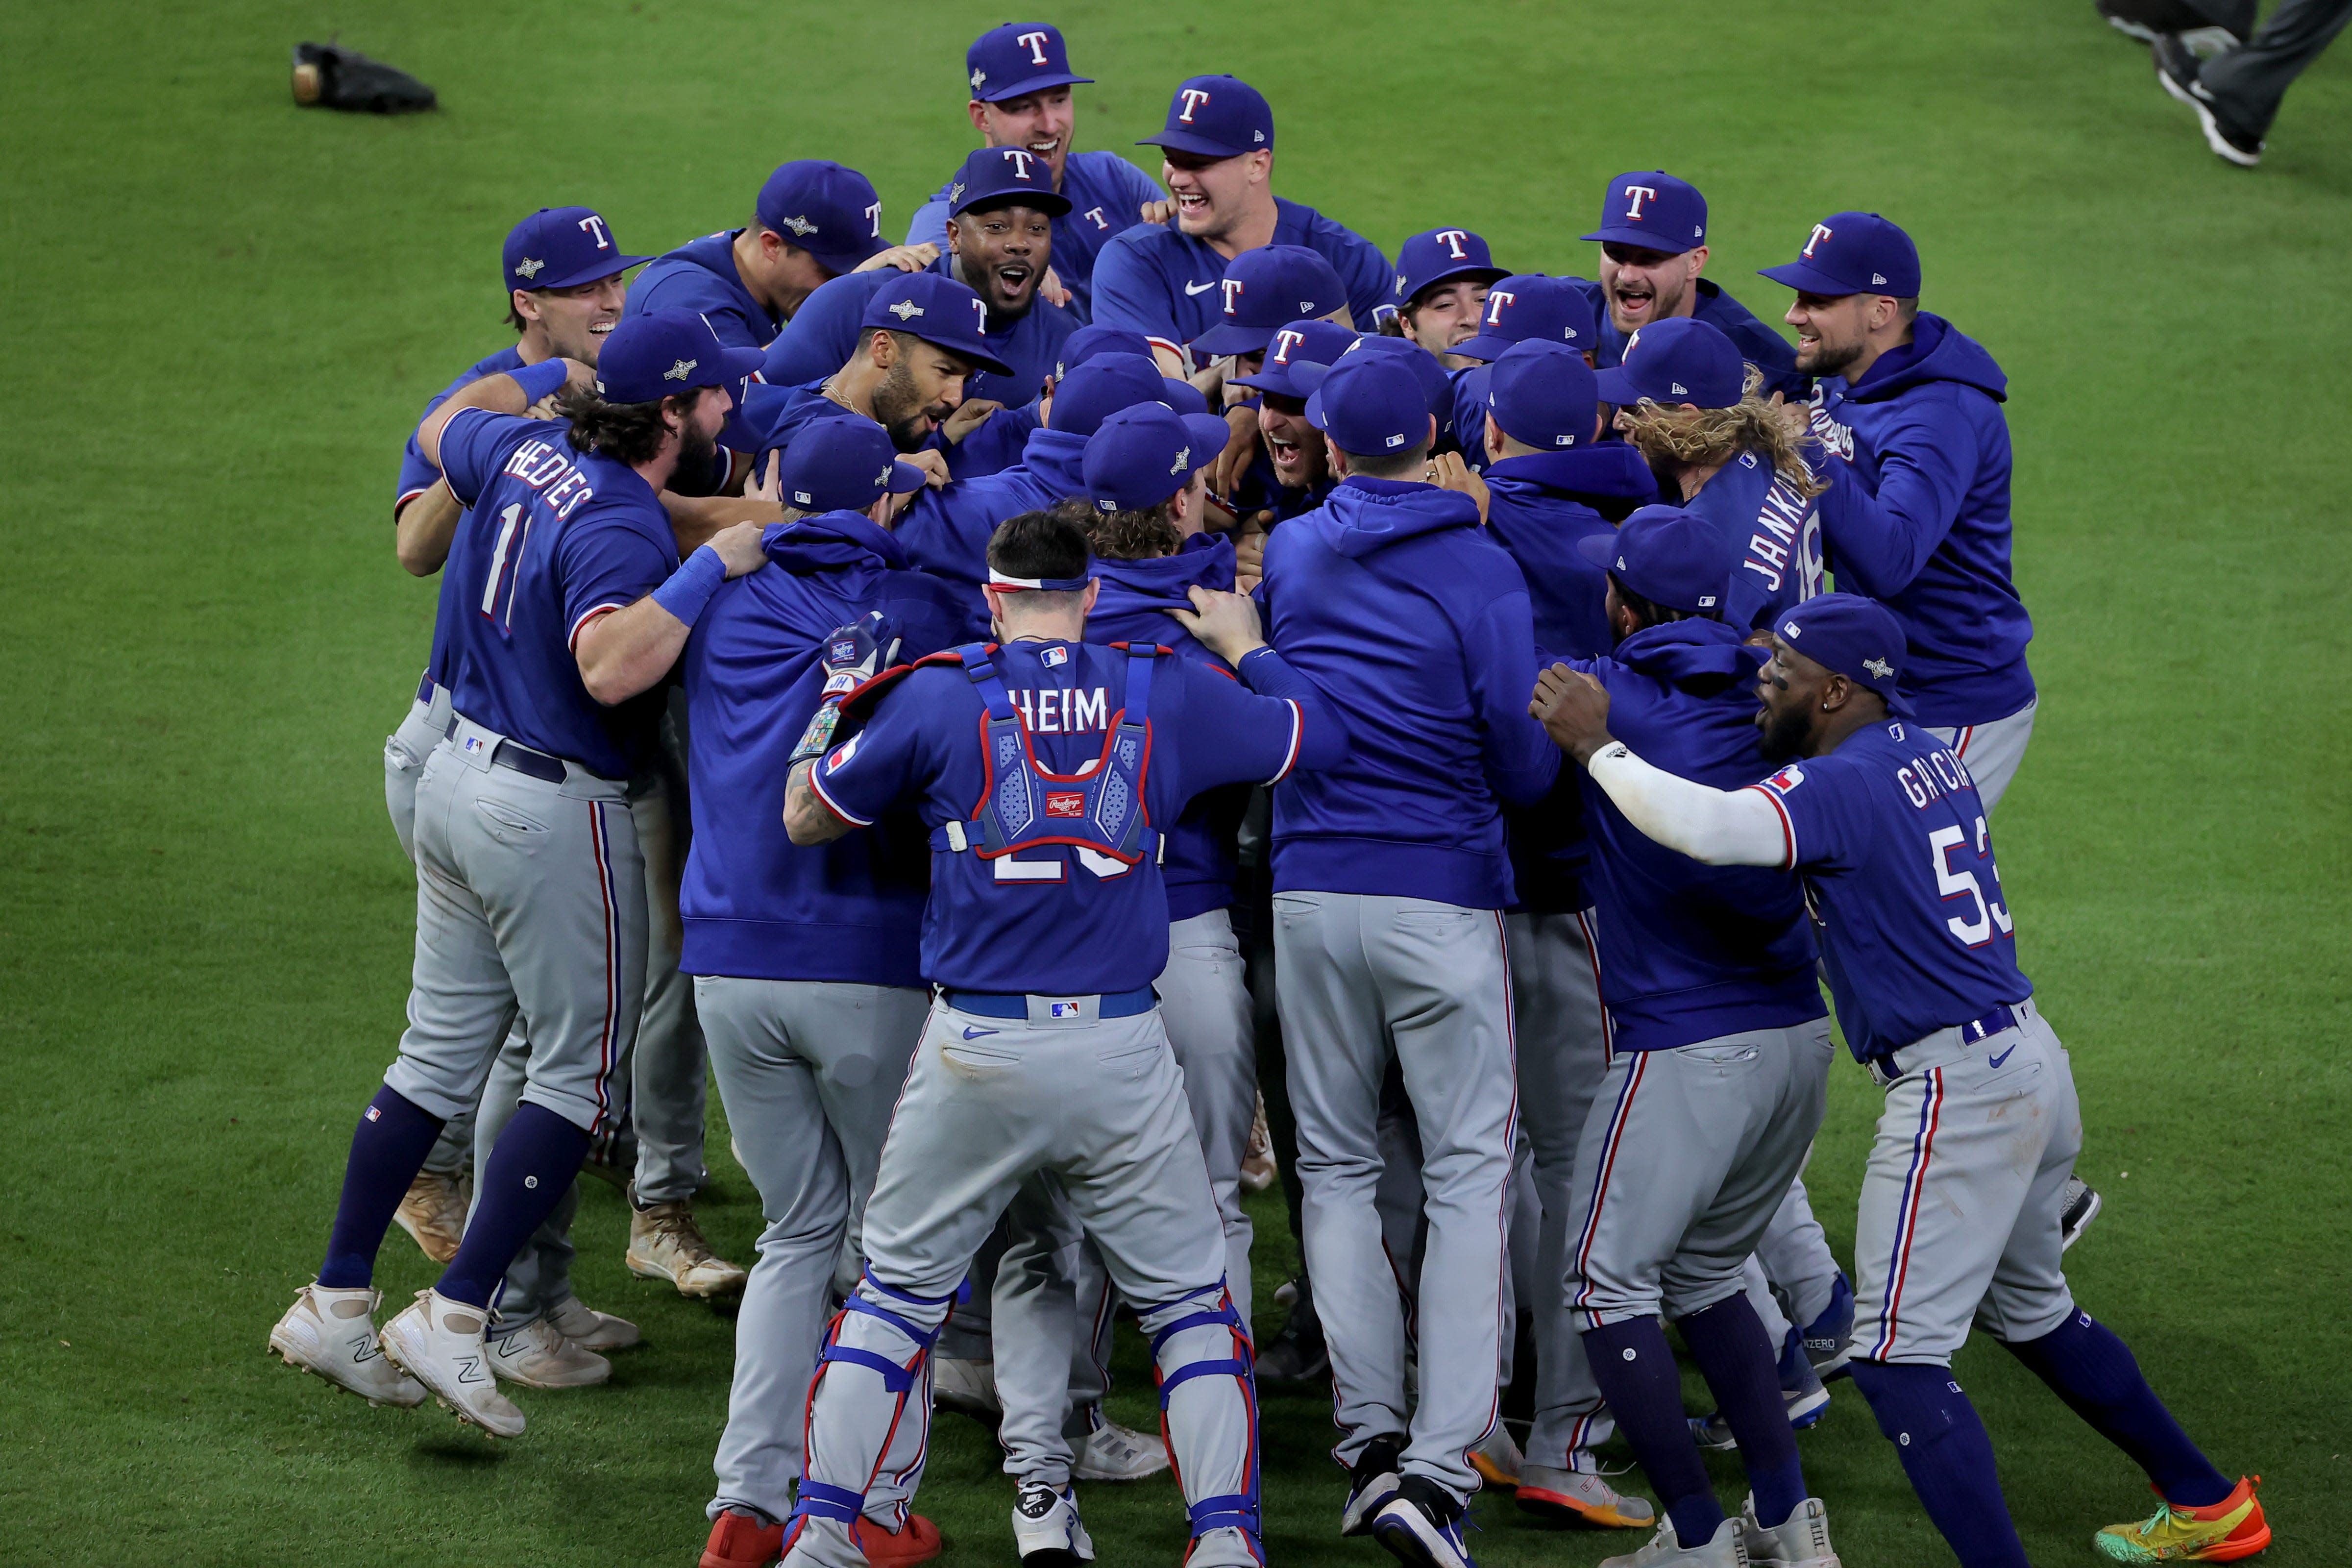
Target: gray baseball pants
1795,1257
1963,1195
405,751
989,1104
668,1075
1563,1053
530,902
1993,752
809,1071
1365,979
1685,1155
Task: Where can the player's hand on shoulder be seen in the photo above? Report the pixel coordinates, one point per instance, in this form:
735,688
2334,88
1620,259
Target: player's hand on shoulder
1249,551
1573,709
1447,471
738,545
904,258
1157,212
578,377
969,418
1241,446
768,485
934,464
1225,624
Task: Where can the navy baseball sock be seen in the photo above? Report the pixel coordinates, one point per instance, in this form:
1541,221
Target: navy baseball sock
1735,1356
1637,1377
1947,1455
2093,1370
388,1149
530,1168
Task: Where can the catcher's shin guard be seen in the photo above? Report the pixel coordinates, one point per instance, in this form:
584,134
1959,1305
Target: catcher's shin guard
1202,1359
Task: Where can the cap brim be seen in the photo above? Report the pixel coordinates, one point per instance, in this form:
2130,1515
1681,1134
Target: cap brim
1487,349
734,364
841,261
1275,380
1614,386
1421,286
1647,238
1600,549
963,351
1807,278
1208,434
1052,202
601,270
905,478
1033,84
1230,338
1200,146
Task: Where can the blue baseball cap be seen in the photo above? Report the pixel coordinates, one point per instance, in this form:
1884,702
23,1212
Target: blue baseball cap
1436,384
1264,288
1089,341
1441,256
1852,253
1654,210
827,209
847,467
1215,117
1679,360
1853,637
1371,404
1543,394
1141,455
557,248
1015,58
937,309
1182,395
1294,344
1669,556
651,356
1005,177
1529,306
1099,388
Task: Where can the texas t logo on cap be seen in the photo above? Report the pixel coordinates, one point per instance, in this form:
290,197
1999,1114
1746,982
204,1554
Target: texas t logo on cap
1194,99
1634,197
1820,234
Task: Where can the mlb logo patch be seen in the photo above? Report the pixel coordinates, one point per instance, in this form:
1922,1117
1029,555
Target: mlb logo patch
472,743
1054,658
1065,802
1065,1010
1787,779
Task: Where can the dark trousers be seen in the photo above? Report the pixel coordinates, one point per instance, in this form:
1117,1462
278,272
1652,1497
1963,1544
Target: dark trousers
2247,83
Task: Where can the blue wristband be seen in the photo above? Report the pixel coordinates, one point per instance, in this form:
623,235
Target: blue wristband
538,380
690,586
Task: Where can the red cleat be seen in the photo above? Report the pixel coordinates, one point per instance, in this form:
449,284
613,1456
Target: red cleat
741,1541
918,1542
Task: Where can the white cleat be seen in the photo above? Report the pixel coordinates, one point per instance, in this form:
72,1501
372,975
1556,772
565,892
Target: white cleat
590,1329
1800,1541
1498,1461
1046,1529
438,1343
1665,1551
1115,1453
966,1386
331,1334
537,1355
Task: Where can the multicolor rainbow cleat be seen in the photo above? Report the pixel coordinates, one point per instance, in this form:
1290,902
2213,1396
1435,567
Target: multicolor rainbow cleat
2221,1532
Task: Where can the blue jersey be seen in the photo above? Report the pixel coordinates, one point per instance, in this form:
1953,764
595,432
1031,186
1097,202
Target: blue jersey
1258,489
558,538
418,475
824,334
1106,197
1758,344
700,275
1132,606
1777,533
1917,517
1158,280
755,904
994,444
1890,838
1053,919
945,531
1690,951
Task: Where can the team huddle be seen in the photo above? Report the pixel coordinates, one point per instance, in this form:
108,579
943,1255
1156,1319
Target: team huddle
1126,687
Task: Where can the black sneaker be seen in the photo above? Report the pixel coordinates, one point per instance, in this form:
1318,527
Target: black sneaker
1372,1486
1422,1526
2082,1206
2177,71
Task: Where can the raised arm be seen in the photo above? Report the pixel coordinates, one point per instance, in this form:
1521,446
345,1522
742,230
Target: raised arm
421,530
509,393
624,651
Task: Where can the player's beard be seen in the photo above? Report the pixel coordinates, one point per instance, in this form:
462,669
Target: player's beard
697,472
898,408
1825,362
1785,733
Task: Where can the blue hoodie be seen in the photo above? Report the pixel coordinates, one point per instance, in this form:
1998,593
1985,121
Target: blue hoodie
1416,626
700,275
1758,344
945,531
1689,951
755,904
1132,607
1539,504
1919,519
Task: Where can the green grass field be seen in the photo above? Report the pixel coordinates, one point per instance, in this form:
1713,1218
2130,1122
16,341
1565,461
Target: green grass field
204,921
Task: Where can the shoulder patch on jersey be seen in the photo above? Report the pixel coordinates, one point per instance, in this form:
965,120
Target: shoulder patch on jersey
1787,779
843,753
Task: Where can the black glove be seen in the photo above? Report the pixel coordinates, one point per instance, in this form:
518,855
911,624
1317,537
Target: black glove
854,654
337,78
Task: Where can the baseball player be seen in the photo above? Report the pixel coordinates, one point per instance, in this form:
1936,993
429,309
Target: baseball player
1441,278
996,444
562,272
814,220
531,887
1044,1050
1546,466
1917,514
1021,79
1264,290
1960,1201
1653,237
1162,281
1390,879
1523,308
999,242
1719,1075
1291,475
1688,403
806,977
